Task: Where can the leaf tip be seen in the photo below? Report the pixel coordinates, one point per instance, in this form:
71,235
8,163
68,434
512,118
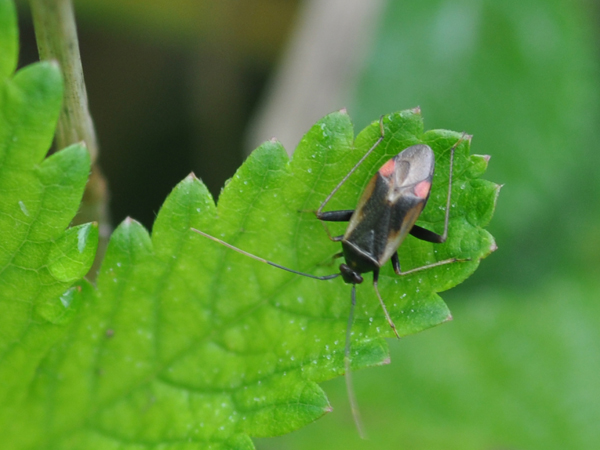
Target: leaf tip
493,246
129,221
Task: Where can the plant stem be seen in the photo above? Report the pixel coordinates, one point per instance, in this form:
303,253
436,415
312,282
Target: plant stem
56,36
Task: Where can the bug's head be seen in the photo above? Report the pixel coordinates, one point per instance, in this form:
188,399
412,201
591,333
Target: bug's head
349,275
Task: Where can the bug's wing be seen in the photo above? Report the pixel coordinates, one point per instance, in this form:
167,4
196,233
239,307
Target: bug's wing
392,203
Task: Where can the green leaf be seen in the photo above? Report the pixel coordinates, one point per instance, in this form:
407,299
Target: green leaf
187,344
39,260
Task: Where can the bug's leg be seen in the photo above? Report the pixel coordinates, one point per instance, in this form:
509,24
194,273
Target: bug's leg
342,215
348,371
426,235
335,189
334,216
387,316
396,264
444,236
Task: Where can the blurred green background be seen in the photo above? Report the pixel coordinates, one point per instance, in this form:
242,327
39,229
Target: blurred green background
181,85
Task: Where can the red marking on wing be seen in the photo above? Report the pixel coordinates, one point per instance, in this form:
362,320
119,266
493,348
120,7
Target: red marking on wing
422,189
388,168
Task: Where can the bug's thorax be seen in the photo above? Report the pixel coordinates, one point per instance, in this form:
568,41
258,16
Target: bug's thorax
388,208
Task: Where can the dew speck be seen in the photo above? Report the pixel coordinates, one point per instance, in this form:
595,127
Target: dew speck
82,236
67,297
309,170
23,208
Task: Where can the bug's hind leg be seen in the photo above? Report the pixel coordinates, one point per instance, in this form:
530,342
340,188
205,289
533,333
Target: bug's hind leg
396,264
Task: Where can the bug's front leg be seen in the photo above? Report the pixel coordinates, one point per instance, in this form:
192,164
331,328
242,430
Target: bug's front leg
343,215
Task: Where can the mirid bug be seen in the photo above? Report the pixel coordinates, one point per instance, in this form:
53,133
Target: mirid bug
385,214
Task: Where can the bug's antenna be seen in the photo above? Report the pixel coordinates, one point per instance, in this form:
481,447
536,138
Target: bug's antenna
271,263
348,374
381,129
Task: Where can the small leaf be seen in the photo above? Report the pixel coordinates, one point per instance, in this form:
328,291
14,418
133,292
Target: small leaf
72,255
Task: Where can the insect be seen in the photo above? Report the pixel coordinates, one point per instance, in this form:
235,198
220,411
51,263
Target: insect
385,214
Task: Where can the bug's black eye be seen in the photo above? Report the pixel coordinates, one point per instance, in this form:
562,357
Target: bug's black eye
349,275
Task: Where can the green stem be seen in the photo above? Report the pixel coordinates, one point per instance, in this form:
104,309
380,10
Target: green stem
56,35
